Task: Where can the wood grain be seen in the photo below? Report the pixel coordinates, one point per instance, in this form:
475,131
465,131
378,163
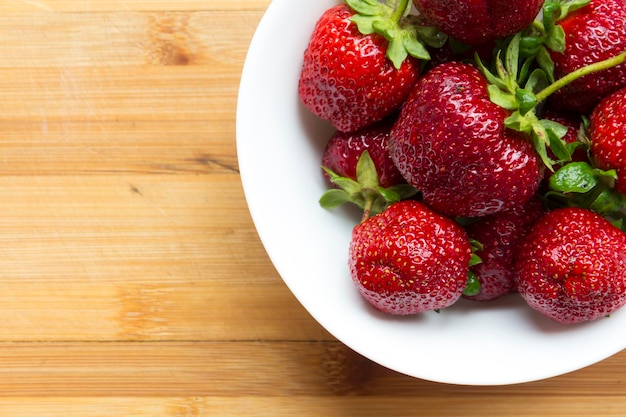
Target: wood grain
133,281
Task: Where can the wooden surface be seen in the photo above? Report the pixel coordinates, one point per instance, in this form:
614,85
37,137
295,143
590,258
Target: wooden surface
132,279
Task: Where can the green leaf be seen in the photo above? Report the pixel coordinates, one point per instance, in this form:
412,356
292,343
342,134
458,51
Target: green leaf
431,36
491,78
501,98
512,55
389,194
387,28
575,177
458,47
475,260
476,245
556,127
536,81
555,39
334,198
524,71
620,223
541,132
365,24
518,122
555,133
472,287
541,147
545,62
608,202
366,7
405,191
503,75
396,52
349,185
559,147
568,6
415,48
366,174
610,174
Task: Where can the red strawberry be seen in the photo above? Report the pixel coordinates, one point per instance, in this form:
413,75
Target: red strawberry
500,236
409,259
607,132
450,142
344,149
475,22
592,33
346,77
571,266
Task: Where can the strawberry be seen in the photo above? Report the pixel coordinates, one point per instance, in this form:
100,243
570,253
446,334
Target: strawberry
352,75
500,236
475,22
450,142
409,259
592,33
607,132
343,150
571,266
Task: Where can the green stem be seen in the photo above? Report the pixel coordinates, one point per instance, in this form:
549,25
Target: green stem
367,210
573,76
538,26
399,12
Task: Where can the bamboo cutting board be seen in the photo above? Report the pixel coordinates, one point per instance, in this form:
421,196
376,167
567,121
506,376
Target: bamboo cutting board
132,279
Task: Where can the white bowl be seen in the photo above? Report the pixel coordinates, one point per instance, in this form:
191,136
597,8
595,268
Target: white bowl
279,145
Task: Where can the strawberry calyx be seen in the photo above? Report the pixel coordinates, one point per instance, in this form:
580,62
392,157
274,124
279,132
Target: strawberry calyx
580,184
366,192
505,89
546,34
405,34
473,284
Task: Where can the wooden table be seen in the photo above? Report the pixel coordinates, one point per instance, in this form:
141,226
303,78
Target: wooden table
132,279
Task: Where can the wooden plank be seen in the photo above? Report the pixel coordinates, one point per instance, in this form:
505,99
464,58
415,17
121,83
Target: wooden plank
47,6
279,369
249,406
111,39
82,148
121,257
72,116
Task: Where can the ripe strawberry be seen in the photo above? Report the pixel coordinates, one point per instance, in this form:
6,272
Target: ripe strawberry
343,150
592,33
450,142
475,22
409,259
500,236
571,266
607,132
346,77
